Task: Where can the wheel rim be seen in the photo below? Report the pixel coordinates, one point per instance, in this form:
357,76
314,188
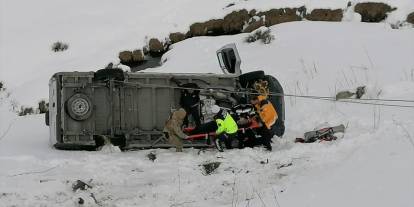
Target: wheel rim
80,107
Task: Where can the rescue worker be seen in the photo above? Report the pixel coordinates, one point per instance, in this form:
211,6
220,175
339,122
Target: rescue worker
268,116
190,101
172,129
226,128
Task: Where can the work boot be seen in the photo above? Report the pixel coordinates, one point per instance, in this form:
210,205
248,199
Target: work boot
219,144
268,147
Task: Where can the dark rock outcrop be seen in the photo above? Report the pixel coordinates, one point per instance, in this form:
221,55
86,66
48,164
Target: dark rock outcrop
248,21
410,18
137,56
277,16
131,59
212,27
253,25
176,37
325,15
373,12
156,48
252,13
233,23
125,56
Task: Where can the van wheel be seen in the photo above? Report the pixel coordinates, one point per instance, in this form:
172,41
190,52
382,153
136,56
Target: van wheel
247,79
79,107
279,128
107,74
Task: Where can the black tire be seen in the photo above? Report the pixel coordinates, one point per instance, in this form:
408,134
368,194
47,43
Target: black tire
246,80
47,118
109,74
79,107
279,103
279,128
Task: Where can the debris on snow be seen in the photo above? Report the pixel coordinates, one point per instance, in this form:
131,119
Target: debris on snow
80,185
263,162
80,201
360,91
210,167
152,156
284,165
344,95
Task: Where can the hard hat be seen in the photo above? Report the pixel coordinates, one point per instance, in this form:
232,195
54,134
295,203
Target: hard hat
215,109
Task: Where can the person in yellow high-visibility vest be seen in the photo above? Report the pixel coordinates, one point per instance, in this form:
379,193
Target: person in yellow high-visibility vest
226,128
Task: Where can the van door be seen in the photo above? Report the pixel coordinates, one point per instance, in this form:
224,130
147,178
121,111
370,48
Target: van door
229,59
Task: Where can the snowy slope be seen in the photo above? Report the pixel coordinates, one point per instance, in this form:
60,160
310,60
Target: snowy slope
370,165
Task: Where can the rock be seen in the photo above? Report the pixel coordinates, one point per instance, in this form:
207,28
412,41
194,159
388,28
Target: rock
233,23
302,11
373,12
131,59
254,25
137,56
325,15
176,37
252,13
410,18
125,56
156,48
277,16
212,27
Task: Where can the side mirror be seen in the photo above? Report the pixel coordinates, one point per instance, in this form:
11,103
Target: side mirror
229,59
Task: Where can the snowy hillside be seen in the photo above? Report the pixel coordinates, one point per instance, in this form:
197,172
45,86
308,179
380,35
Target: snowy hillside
371,164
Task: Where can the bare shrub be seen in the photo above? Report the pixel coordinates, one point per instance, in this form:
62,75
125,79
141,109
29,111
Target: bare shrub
26,111
59,46
43,106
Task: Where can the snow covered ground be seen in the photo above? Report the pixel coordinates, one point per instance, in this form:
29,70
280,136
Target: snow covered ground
372,164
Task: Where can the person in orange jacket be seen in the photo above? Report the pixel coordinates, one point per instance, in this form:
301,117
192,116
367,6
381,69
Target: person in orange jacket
268,116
